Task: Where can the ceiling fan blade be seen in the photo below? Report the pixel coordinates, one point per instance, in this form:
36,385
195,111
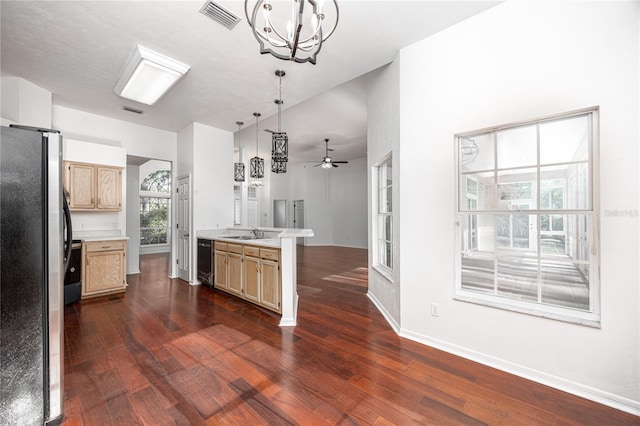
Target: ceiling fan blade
318,165
334,164
330,149
270,131
340,162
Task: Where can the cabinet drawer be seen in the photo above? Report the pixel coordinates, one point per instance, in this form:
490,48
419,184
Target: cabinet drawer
234,248
221,246
270,254
251,251
92,246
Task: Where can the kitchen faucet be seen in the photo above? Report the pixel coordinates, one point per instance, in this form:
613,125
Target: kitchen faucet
255,232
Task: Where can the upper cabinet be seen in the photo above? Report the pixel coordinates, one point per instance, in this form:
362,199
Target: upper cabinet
93,187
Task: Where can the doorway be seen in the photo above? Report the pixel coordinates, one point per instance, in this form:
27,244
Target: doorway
148,210
280,213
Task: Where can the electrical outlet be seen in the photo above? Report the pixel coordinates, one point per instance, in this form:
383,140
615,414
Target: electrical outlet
435,310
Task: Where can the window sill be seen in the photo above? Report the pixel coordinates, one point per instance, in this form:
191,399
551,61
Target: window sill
580,318
385,272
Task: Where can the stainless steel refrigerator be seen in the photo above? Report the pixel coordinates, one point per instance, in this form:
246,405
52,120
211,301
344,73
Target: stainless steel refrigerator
33,227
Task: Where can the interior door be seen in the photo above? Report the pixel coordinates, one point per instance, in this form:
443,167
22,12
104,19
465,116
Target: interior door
183,227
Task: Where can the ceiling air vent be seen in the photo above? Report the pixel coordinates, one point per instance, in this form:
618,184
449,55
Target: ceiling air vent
130,109
220,14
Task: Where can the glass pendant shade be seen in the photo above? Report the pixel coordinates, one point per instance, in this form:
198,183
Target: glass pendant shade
238,172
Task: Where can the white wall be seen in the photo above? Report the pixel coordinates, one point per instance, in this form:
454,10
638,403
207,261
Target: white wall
349,201
24,103
383,133
518,61
206,153
138,140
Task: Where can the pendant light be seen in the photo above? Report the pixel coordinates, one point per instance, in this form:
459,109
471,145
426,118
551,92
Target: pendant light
279,139
298,38
256,165
238,168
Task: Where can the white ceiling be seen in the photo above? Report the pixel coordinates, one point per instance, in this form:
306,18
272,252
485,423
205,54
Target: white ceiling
76,50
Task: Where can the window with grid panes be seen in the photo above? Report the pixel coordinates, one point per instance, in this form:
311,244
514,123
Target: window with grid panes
385,215
526,222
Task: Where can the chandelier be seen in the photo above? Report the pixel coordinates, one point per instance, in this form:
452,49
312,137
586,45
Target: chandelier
238,168
297,37
256,165
279,139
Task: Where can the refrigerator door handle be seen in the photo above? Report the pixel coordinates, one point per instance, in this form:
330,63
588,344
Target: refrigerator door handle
69,233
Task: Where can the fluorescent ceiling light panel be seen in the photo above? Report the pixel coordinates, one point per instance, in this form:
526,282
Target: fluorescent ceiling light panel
148,75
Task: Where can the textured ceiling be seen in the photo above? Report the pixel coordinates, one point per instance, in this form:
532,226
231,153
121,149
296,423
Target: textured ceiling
76,50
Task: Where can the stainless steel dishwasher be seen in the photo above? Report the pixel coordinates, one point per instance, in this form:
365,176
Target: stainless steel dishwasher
205,254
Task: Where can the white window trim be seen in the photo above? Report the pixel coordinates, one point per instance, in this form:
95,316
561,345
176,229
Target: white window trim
165,195
565,314
382,269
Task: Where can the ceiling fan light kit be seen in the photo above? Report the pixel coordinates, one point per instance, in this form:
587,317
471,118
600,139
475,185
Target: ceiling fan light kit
298,38
327,162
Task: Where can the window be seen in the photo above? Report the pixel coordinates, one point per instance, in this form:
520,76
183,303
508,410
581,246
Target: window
526,224
237,204
155,202
384,217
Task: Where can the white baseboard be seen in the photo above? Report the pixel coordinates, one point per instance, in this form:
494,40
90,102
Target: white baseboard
392,322
602,397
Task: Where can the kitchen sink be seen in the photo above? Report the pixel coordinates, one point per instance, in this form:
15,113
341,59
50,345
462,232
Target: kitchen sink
244,237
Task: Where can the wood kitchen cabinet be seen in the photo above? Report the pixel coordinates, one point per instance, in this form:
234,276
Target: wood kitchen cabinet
220,266
235,269
104,268
249,272
93,187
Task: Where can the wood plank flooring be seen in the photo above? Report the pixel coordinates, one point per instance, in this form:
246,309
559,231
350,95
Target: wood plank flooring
166,353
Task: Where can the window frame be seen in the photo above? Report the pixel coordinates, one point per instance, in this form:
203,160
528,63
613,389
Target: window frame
377,220
157,195
590,317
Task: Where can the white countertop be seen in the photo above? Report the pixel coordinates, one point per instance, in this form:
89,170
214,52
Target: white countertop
271,233
98,238
266,242
103,235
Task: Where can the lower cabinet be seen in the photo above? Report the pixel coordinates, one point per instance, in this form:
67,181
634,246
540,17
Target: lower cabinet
252,273
234,269
220,266
104,268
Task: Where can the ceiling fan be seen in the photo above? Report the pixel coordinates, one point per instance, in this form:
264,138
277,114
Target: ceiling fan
327,162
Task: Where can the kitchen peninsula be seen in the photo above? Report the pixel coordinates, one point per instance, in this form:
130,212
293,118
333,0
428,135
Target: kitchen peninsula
258,265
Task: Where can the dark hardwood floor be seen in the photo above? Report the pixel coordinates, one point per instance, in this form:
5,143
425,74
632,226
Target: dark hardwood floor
168,353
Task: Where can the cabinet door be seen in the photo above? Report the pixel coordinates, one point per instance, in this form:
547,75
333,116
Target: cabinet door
104,272
270,285
81,186
252,279
109,188
220,270
234,282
